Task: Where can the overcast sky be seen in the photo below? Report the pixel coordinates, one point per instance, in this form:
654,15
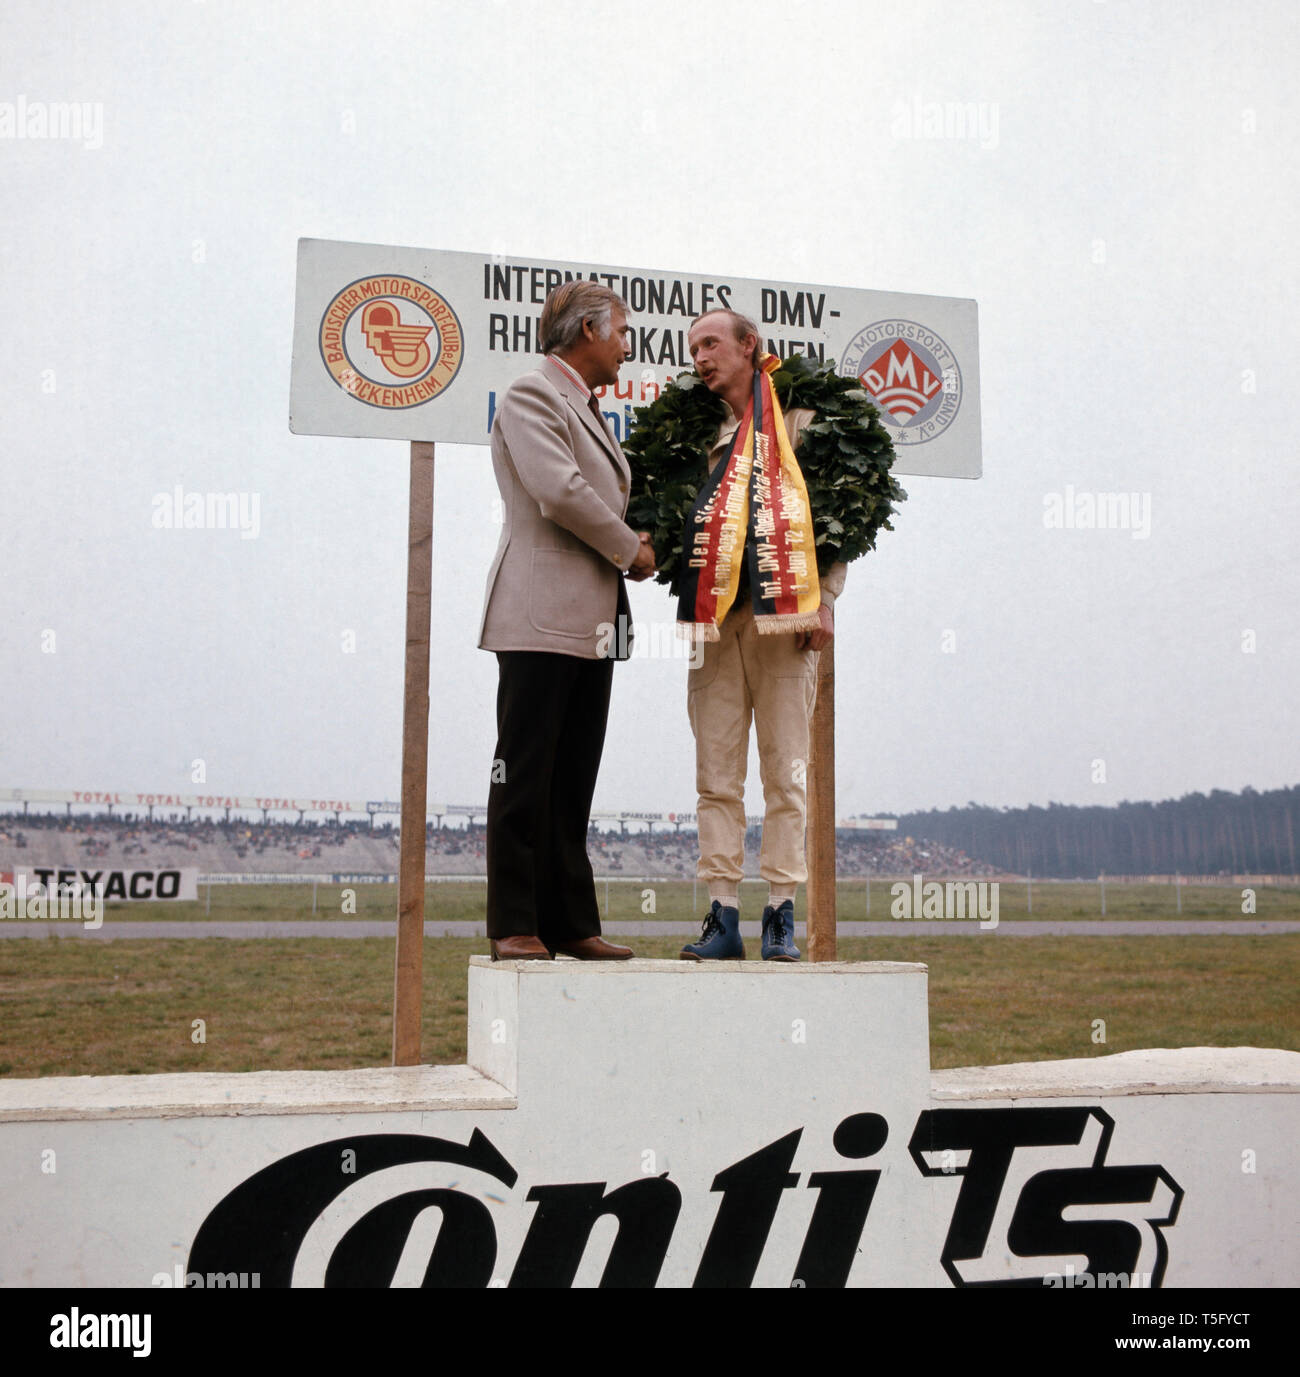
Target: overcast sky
1124,212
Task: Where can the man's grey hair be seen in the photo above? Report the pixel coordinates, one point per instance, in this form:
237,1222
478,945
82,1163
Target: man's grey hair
569,306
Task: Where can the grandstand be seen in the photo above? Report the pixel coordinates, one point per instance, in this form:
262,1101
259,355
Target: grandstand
311,847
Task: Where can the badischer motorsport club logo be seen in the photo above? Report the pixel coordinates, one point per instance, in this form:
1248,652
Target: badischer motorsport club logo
912,376
391,341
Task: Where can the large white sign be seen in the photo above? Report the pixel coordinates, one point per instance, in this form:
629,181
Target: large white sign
604,1132
418,344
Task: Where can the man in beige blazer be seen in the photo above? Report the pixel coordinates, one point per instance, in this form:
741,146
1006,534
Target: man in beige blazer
556,615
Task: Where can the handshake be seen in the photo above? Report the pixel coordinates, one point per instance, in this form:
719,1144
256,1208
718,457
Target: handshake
643,566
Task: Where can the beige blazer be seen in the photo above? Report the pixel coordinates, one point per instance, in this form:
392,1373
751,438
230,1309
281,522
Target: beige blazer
556,583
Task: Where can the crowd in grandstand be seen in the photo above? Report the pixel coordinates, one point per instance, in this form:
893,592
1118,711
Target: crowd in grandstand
129,834
310,846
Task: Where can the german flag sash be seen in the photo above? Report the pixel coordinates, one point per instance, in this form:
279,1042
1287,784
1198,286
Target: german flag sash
752,507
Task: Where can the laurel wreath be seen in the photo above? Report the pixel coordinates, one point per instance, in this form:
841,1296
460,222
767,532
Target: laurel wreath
845,455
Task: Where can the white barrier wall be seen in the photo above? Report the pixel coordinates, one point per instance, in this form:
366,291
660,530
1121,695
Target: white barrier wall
664,1123
1170,1165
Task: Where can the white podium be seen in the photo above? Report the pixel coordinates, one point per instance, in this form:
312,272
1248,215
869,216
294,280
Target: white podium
665,1123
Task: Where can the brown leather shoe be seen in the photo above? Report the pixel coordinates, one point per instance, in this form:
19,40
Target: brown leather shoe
593,949
519,949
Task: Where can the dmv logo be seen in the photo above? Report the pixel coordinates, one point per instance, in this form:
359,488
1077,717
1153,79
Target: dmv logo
911,373
900,381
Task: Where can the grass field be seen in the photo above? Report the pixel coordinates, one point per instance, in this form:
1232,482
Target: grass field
680,900
69,1006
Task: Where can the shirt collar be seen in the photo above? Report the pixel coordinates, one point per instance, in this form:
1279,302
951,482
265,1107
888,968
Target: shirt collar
574,377
728,428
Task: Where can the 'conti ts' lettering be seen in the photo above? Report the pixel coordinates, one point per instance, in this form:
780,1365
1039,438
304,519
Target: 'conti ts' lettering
1008,1228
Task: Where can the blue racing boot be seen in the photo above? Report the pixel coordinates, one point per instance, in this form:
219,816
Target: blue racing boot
720,937
778,933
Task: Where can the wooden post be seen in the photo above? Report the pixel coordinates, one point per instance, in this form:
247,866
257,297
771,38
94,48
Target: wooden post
408,976
820,845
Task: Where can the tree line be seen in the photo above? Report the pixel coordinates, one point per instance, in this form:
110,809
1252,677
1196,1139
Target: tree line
1198,834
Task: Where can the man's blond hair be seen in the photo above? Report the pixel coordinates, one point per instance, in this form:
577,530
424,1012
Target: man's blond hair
742,325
